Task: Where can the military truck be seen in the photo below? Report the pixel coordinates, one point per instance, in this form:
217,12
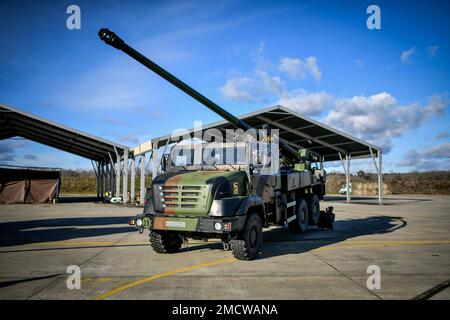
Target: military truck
250,184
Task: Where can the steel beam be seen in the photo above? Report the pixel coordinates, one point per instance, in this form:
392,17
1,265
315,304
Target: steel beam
301,134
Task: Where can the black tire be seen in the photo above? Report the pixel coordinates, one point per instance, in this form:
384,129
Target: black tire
300,224
249,243
313,210
165,242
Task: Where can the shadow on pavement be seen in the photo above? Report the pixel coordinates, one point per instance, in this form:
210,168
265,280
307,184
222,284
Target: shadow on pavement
279,241
13,282
77,199
35,231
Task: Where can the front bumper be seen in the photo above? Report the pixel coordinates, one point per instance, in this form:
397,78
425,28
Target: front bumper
223,225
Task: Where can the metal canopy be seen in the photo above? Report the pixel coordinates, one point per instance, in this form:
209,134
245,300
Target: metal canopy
300,132
14,122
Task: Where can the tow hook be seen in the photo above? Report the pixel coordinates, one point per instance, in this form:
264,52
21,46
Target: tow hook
226,246
141,229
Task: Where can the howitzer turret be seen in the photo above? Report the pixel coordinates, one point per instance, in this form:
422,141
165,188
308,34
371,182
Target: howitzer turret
115,41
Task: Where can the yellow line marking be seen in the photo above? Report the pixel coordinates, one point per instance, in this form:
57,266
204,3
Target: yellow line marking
74,243
362,244
268,242
161,275
325,241
98,243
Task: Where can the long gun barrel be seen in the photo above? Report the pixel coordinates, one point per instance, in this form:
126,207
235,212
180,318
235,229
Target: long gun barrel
115,41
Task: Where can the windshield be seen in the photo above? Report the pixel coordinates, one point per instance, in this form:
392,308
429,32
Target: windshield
208,154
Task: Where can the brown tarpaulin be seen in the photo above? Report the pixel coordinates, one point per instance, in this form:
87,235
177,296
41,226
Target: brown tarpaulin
41,191
12,192
31,185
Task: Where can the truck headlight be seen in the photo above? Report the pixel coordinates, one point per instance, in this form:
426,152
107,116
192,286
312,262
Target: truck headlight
139,222
218,226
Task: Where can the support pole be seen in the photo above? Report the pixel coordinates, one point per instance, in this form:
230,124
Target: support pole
125,176
380,179
117,191
346,166
347,176
111,180
100,173
155,160
107,177
379,174
94,165
142,182
133,180
111,175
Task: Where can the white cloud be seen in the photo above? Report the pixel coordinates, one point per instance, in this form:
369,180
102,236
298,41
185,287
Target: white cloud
433,158
436,105
6,152
443,135
261,86
256,88
240,89
273,84
440,151
30,156
379,118
308,103
298,69
8,148
432,51
407,55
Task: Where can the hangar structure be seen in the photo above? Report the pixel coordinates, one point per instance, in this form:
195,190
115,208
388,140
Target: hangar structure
115,164
107,157
297,130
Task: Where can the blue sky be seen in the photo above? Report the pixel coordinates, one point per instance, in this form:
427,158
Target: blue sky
388,86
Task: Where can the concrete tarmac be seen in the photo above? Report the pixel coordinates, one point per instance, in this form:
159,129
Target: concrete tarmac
408,239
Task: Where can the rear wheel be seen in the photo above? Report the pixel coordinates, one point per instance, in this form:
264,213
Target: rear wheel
249,243
300,224
313,210
165,242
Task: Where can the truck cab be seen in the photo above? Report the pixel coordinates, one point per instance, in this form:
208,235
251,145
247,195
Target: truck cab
212,190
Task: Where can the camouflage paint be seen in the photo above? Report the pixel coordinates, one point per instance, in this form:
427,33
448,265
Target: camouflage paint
190,194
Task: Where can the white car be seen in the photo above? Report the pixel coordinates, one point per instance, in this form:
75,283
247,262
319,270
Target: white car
343,190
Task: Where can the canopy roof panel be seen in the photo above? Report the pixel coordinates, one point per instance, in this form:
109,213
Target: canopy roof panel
14,122
300,132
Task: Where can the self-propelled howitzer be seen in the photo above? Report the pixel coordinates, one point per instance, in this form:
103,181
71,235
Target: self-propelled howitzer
231,199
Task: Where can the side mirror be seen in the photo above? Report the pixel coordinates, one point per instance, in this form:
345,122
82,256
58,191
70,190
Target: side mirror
163,162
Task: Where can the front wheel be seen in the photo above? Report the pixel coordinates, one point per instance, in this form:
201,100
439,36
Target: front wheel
165,242
249,243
